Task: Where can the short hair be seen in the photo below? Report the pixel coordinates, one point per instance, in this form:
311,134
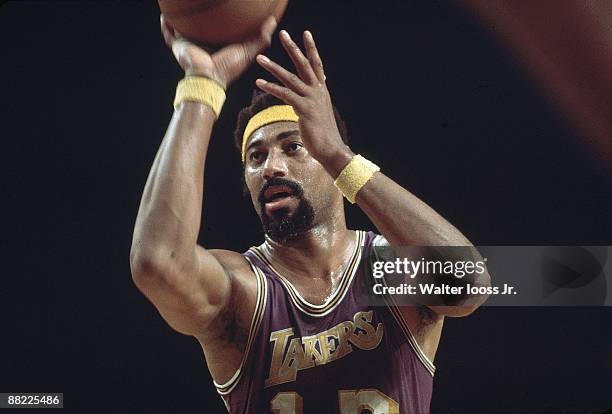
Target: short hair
262,100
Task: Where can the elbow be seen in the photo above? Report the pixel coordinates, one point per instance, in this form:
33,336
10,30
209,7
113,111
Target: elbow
469,307
140,264
479,293
148,267
474,300
464,305
456,311
142,267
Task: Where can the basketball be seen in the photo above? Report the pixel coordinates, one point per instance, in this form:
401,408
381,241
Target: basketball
219,22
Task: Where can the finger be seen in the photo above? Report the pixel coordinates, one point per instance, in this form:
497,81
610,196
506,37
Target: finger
261,42
167,30
302,65
241,55
284,94
289,79
313,56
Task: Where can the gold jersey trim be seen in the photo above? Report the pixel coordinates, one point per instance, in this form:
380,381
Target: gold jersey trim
336,298
399,318
397,314
260,306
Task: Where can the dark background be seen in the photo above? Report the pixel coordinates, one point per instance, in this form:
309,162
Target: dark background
87,93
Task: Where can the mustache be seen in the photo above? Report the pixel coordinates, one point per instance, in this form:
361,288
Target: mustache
295,187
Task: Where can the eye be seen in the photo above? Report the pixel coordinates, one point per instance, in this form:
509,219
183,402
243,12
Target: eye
294,146
256,156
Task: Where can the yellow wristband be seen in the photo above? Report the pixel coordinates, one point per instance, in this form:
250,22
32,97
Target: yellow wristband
354,176
200,89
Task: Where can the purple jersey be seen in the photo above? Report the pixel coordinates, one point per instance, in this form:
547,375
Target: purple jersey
342,357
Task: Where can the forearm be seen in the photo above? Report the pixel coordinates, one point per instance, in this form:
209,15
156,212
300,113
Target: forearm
169,216
402,218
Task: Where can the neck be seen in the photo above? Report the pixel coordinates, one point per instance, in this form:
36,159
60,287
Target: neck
320,252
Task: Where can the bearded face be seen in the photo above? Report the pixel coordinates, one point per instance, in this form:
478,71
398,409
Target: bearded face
285,213
290,190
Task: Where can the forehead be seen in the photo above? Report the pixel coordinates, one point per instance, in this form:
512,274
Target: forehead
271,131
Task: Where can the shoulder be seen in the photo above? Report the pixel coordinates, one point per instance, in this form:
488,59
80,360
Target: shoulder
366,238
245,289
239,270
377,240
234,263
226,345
424,323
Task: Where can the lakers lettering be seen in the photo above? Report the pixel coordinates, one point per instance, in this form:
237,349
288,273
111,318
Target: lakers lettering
290,355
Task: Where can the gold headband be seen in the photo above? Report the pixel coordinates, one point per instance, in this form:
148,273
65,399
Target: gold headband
276,113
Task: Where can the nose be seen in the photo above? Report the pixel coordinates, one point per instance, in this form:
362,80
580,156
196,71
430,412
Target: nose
275,165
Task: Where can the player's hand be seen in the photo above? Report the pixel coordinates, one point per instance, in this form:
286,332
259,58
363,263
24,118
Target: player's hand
224,65
308,94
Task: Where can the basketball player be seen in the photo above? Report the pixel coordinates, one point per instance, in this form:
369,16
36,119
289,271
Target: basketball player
281,325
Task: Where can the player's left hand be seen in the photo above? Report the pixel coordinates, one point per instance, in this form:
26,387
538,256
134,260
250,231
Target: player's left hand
308,94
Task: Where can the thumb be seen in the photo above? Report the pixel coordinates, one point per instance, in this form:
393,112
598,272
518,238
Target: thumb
232,60
263,40
167,31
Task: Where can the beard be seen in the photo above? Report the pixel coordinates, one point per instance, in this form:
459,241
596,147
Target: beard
283,226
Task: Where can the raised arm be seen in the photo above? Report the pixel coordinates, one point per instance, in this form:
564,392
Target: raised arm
188,284
401,217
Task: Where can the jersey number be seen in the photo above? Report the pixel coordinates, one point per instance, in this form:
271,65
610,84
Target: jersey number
351,402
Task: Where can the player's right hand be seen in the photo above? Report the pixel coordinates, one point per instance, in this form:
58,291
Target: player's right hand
224,65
